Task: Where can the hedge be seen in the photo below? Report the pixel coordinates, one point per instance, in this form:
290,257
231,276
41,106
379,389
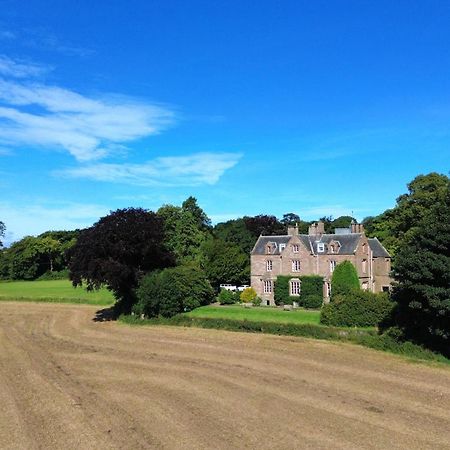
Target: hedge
311,291
357,308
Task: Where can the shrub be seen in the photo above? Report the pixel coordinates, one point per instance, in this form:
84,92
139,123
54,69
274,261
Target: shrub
172,291
357,308
55,275
312,301
344,280
248,295
257,301
227,297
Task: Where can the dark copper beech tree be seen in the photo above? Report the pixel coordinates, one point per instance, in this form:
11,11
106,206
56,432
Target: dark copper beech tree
117,251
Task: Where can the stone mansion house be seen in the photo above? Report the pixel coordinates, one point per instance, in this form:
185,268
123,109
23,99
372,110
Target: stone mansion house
317,253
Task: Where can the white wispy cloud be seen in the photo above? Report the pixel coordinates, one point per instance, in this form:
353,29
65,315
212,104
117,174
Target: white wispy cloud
35,218
188,170
20,69
39,115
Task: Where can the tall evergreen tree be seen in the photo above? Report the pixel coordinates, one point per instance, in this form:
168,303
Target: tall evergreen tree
344,279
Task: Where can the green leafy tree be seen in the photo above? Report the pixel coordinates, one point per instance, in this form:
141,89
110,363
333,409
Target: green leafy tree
344,279
224,263
422,271
117,251
2,232
341,222
191,205
173,291
184,234
265,225
235,232
291,219
395,226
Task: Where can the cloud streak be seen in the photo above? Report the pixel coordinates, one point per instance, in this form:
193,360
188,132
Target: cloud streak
55,216
39,115
189,170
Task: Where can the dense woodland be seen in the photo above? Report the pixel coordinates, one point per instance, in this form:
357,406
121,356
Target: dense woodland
132,247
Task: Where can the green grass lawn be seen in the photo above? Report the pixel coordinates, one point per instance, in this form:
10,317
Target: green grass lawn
60,291
262,314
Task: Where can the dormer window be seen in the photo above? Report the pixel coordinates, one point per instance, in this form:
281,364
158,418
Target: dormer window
282,247
333,247
320,247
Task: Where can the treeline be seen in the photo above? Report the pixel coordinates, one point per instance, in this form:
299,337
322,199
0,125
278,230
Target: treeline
222,251
36,256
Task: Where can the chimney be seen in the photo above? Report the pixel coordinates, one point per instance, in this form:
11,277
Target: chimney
357,227
316,229
292,231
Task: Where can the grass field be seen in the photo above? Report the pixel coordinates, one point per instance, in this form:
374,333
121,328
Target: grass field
261,314
60,291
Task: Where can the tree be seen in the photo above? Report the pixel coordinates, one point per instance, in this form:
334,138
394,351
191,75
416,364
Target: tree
117,251
235,232
344,279
2,232
341,222
290,219
265,225
184,233
422,271
32,256
173,291
190,205
225,263
395,226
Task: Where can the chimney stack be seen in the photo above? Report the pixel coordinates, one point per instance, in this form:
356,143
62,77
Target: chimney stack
316,229
292,231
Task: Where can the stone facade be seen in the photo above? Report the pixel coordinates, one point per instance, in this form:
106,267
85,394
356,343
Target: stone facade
318,253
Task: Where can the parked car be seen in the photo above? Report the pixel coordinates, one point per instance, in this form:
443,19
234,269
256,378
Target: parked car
228,287
241,288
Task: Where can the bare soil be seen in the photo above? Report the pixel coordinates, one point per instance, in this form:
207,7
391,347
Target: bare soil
68,382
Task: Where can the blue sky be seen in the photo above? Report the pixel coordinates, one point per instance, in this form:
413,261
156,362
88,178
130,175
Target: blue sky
313,107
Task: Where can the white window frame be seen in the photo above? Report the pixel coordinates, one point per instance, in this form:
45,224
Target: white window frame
295,265
295,248
269,265
320,247
267,286
333,264
282,247
295,288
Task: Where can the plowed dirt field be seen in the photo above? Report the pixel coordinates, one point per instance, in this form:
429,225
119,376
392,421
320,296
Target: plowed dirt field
68,382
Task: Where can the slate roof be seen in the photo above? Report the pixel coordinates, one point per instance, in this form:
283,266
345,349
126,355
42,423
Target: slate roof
348,242
260,246
377,249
